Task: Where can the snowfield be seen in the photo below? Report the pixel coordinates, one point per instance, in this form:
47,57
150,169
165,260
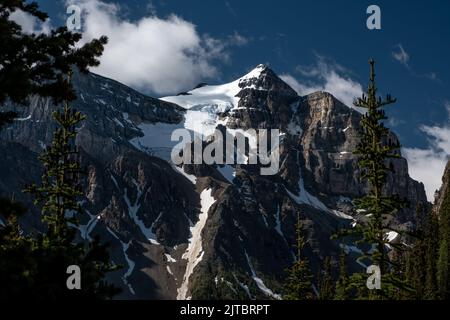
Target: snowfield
222,96
194,252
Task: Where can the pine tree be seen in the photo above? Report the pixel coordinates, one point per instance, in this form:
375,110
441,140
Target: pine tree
36,64
374,151
326,284
443,262
431,243
342,284
34,265
421,258
442,269
58,195
415,262
298,285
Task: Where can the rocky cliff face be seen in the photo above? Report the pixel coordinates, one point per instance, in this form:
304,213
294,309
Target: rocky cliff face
205,231
444,191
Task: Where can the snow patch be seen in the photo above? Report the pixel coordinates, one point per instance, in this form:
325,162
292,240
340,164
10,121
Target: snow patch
126,117
391,236
278,222
131,263
169,270
280,232
156,139
304,197
132,211
259,282
42,145
228,172
342,215
228,283
169,258
194,252
86,229
205,104
223,96
23,119
120,124
204,120
190,177
244,287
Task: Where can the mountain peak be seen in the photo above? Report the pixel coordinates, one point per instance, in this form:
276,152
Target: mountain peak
264,78
260,78
255,72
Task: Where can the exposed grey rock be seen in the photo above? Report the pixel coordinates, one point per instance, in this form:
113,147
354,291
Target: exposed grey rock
146,208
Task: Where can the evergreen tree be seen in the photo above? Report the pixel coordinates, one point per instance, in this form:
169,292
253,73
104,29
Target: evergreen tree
56,249
421,259
342,284
431,243
298,285
36,64
326,284
443,262
442,269
374,151
415,262
34,265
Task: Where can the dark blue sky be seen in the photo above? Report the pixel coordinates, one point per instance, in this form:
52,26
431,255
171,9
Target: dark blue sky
285,34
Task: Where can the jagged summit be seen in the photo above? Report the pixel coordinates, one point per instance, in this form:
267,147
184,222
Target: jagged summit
256,72
226,96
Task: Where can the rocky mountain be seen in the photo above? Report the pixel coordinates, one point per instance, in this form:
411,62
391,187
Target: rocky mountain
443,194
198,230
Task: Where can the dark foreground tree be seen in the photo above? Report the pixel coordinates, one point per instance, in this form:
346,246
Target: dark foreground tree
35,265
443,260
325,280
43,259
374,153
36,64
298,285
59,195
342,284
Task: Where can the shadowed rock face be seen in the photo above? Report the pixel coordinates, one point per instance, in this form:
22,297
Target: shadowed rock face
198,231
444,191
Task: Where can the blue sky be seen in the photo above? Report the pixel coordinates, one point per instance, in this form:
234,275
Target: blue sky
305,41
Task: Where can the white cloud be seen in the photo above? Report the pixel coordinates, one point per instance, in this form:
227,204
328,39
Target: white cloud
427,165
29,23
237,39
326,76
401,56
299,87
163,56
